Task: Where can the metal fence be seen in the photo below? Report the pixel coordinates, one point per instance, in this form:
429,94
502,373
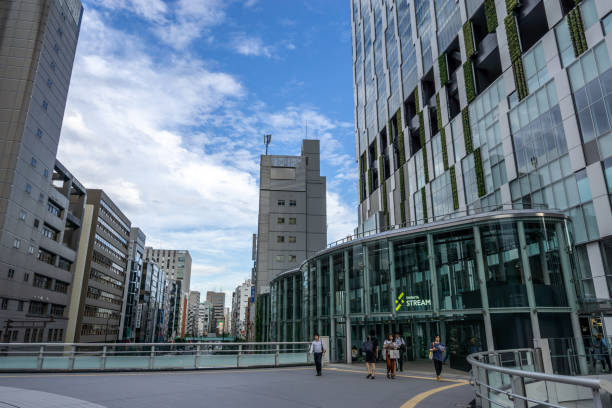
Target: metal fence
515,378
20,357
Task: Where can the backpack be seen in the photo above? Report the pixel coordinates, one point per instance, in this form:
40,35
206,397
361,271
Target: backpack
368,346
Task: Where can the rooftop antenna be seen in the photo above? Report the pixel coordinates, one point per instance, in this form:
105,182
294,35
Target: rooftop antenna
267,139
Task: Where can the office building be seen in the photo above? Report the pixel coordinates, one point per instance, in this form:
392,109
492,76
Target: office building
131,295
240,303
193,313
150,321
217,301
292,213
204,319
483,154
40,201
177,266
227,321
100,272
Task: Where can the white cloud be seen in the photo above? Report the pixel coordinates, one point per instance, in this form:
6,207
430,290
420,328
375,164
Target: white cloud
250,46
171,144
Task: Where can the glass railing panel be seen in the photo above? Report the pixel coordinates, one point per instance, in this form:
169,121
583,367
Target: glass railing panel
293,358
216,361
174,361
127,362
251,360
87,362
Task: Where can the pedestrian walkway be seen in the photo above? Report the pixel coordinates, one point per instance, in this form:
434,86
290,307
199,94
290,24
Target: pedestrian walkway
296,387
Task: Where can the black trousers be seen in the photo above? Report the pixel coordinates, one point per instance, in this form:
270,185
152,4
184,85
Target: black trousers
400,361
438,366
317,359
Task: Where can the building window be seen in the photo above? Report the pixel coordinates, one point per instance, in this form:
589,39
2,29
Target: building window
52,65
280,220
49,83
280,238
61,287
57,310
11,273
56,48
59,30
53,209
45,104
37,307
46,256
39,132
4,304
292,258
41,198
31,250
28,188
534,62
16,243
292,221
20,306
49,232
292,240
41,281
279,258
22,215
26,277
36,223
281,203
33,162
292,203
46,173
607,23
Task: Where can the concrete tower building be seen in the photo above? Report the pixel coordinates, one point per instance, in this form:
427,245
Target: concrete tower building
292,213
217,302
40,201
193,312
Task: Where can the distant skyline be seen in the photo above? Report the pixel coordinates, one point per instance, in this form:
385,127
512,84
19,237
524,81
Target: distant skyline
169,102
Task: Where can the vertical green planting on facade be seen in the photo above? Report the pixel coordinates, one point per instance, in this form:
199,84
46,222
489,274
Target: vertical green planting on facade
453,177
467,133
438,111
424,201
403,211
479,173
370,181
444,151
468,76
576,30
381,168
425,166
443,70
400,137
468,39
362,170
513,39
384,202
416,98
519,79
403,195
423,147
511,5
490,15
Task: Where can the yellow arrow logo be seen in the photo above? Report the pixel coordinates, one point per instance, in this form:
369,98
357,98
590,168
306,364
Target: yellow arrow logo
399,301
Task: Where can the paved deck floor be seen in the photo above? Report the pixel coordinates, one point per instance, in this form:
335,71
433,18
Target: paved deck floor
340,386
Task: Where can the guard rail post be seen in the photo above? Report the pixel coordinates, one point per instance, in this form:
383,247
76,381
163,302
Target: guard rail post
276,356
39,362
103,362
71,358
518,388
239,356
151,357
196,360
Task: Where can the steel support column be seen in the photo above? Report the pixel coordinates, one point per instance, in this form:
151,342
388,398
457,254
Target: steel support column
535,324
482,280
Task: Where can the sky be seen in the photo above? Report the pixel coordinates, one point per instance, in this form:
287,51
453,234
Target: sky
168,104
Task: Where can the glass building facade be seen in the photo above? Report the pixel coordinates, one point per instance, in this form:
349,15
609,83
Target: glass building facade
465,106
504,279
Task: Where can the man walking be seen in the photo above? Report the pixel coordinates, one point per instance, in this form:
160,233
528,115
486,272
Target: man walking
370,348
317,349
400,344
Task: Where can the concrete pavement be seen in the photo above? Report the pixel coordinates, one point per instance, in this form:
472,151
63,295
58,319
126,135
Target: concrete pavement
340,386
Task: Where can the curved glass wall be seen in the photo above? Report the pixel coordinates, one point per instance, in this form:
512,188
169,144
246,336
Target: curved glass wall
500,278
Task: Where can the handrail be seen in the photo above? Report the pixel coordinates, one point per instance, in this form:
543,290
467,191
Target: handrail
220,343
565,379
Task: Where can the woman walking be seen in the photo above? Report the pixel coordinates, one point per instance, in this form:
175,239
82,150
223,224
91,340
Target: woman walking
391,355
436,353
317,349
370,348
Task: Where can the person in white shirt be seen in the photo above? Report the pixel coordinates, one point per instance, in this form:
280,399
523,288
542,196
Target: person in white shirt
318,350
400,343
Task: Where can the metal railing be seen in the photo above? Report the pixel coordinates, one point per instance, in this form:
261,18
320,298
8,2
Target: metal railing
443,217
515,378
27,357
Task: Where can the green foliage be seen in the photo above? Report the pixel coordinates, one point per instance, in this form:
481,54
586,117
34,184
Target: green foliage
453,177
400,138
416,98
468,39
361,188
443,69
519,79
511,5
402,185
467,132
513,39
438,111
490,15
425,166
444,151
576,29
370,181
424,201
384,194
403,211
479,173
468,76
381,168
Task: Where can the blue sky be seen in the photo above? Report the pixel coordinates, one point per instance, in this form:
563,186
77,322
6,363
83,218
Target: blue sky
168,104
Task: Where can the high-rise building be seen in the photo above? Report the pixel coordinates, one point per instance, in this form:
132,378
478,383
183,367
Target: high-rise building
40,201
177,266
100,272
151,305
217,301
193,313
470,106
292,213
240,303
204,319
136,245
227,321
